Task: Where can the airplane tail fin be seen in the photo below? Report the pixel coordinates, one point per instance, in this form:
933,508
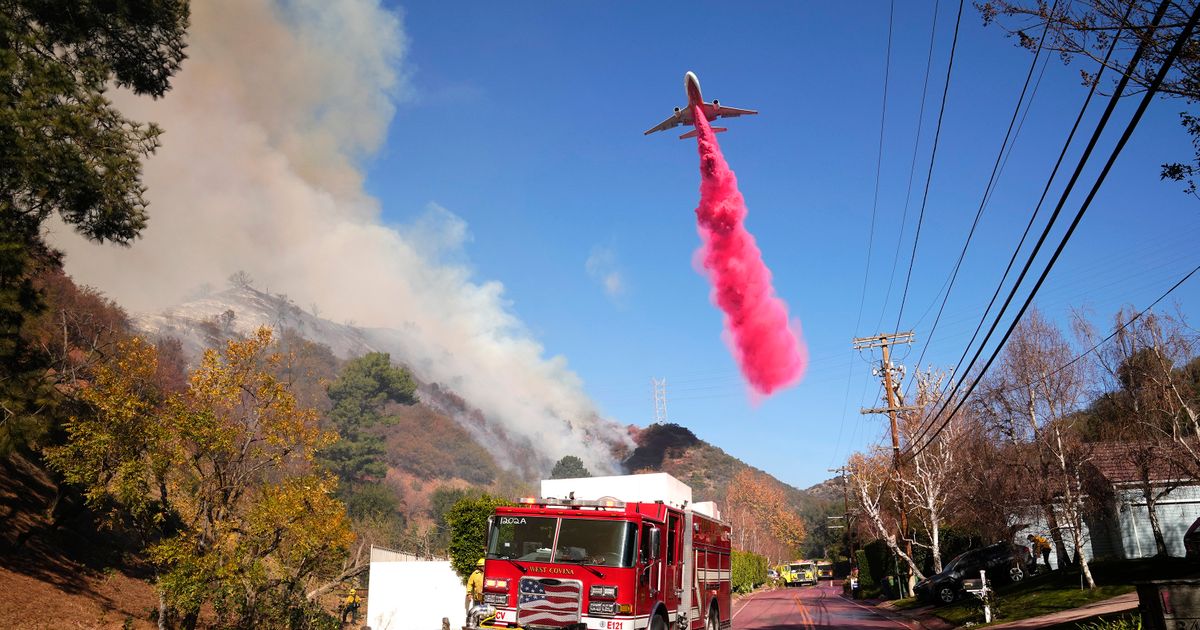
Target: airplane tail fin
693,133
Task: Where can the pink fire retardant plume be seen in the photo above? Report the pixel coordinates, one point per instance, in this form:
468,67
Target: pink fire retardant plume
770,354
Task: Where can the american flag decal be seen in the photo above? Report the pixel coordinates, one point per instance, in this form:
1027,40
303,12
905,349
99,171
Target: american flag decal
548,602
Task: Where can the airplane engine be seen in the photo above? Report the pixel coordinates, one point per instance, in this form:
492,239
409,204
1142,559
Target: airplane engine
716,103
677,110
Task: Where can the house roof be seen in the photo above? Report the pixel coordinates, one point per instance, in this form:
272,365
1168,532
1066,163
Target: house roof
1124,462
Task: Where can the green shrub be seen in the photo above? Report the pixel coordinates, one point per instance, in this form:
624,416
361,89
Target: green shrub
879,561
866,579
749,571
468,531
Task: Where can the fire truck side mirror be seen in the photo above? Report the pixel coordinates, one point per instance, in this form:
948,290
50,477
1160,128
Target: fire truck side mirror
655,542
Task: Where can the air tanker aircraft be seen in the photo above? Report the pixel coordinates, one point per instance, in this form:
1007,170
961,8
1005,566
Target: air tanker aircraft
712,111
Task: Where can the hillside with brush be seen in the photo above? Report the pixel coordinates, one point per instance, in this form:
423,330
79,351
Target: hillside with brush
675,449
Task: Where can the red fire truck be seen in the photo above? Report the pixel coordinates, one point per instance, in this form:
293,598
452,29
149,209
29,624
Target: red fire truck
611,553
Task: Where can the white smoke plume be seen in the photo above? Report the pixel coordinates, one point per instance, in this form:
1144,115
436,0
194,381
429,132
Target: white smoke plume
266,128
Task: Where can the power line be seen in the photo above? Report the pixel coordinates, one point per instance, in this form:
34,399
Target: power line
912,169
932,159
1117,331
958,376
1132,282
987,190
887,69
862,401
1151,90
1081,355
879,163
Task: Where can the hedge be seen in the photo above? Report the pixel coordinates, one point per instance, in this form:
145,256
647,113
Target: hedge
468,531
749,571
866,579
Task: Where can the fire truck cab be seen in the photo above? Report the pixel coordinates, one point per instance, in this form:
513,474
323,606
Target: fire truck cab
608,553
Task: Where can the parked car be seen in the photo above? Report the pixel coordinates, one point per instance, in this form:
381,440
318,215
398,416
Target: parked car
1001,561
1191,541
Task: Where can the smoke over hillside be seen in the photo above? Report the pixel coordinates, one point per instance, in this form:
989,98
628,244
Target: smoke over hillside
266,128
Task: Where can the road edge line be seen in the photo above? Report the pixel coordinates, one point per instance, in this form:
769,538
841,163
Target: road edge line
747,600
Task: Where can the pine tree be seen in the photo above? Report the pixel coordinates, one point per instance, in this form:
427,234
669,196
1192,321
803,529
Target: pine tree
360,395
569,467
66,150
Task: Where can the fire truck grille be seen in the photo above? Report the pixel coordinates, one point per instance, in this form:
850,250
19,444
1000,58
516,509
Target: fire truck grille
549,602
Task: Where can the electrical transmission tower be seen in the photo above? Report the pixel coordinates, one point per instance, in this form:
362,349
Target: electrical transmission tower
660,400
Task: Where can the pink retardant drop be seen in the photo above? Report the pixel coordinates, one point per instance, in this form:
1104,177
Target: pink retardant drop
770,354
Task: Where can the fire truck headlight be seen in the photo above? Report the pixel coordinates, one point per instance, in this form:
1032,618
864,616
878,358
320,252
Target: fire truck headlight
496,584
602,608
496,599
600,591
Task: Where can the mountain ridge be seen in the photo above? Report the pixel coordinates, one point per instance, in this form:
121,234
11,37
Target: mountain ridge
210,319
444,413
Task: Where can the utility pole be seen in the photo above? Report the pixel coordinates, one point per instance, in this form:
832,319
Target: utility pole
660,400
848,539
885,341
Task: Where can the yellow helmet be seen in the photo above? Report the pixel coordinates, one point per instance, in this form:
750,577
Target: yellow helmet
479,563
352,591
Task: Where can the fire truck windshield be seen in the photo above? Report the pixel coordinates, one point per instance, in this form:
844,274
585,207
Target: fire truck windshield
580,541
605,543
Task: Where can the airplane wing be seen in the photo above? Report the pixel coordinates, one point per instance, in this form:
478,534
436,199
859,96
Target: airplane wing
733,112
684,117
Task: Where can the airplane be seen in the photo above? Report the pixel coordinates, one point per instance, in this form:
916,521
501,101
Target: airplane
684,115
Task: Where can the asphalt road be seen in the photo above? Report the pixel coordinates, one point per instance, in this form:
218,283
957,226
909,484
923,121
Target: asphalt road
807,607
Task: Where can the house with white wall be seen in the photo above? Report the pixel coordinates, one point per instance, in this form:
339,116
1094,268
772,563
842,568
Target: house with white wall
1125,470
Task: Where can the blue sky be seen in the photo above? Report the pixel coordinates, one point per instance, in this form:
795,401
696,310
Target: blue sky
527,122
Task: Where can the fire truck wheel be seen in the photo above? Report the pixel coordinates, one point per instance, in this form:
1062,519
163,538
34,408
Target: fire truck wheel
714,622
658,623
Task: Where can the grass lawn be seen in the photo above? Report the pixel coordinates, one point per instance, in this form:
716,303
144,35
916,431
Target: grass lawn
908,602
1060,590
1042,597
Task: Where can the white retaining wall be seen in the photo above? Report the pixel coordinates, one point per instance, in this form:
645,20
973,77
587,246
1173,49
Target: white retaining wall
413,594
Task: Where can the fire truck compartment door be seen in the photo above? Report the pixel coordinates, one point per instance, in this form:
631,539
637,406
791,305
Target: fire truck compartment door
689,569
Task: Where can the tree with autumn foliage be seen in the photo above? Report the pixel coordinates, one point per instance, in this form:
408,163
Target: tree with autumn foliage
222,477
116,453
763,522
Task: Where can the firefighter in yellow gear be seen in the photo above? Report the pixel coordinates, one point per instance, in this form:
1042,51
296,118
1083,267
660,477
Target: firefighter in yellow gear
350,606
475,586
1039,546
